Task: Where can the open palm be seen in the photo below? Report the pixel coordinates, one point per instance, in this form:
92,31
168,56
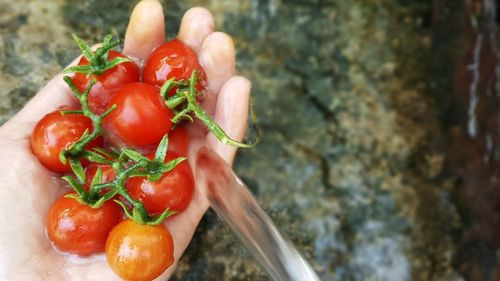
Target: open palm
28,189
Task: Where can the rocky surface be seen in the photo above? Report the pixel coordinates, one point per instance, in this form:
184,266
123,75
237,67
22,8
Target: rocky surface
380,127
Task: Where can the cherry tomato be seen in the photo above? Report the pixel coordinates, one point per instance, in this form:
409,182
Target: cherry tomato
107,83
139,252
174,190
172,59
178,140
56,132
107,172
141,117
80,229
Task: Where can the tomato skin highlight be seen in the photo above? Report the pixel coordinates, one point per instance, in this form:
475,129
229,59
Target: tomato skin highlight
174,190
172,59
56,132
80,229
141,117
139,252
107,83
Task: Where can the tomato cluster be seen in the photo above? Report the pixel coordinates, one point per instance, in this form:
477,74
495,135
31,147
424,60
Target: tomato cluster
123,152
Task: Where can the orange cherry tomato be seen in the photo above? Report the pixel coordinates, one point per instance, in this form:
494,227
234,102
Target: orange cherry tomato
139,252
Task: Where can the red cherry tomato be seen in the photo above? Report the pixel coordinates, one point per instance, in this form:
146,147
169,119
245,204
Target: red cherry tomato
80,229
178,140
172,59
107,172
174,190
139,252
141,117
107,83
56,132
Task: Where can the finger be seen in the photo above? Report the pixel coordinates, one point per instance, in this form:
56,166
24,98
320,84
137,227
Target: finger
196,24
183,226
218,58
146,29
231,114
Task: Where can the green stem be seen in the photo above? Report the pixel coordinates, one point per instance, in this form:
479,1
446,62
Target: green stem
216,130
175,101
95,157
102,186
100,52
122,190
181,115
78,147
98,60
66,112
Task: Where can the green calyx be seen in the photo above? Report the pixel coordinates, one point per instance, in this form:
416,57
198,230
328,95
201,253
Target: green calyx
139,215
77,149
133,164
129,163
98,60
126,163
185,106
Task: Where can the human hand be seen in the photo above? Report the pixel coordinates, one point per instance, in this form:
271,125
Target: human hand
28,188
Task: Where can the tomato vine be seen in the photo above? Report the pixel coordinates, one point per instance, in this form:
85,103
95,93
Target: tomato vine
126,162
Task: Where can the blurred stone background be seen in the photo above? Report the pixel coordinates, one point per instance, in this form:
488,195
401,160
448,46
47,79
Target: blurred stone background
381,145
